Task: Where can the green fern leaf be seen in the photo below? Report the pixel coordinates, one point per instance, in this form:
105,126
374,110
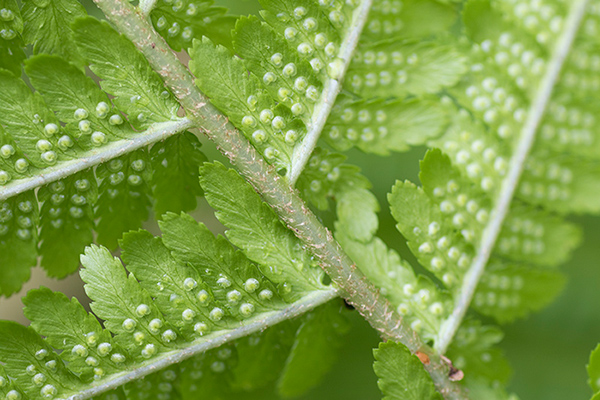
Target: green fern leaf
326,175
39,371
356,214
474,351
10,152
401,374
22,114
241,97
77,100
388,20
159,384
138,91
373,126
510,62
66,325
124,196
284,68
593,370
254,227
207,375
443,231
67,220
48,27
509,291
262,357
7,388
294,77
235,285
228,272
175,164
417,299
314,30
182,22
18,241
11,43
128,317
397,68
314,351
38,143
530,235
189,302
191,290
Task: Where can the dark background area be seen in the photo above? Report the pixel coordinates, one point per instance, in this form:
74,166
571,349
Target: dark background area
548,351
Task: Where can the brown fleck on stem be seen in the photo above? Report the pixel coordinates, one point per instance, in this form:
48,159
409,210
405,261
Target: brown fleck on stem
285,200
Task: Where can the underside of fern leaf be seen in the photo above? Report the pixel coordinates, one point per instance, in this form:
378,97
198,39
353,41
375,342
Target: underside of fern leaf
62,137
181,295
502,91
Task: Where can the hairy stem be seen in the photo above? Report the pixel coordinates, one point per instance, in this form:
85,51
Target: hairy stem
155,133
511,181
211,341
146,6
275,190
333,86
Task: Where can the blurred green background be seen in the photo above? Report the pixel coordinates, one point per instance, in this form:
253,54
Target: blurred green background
548,351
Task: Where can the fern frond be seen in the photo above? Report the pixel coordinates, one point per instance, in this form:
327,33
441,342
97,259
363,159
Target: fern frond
297,60
528,124
326,176
185,293
73,126
273,189
401,60
475,351
469,195
314,350
421,301
175,177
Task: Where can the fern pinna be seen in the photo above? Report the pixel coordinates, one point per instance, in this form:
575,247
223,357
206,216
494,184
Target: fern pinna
501,90
70,125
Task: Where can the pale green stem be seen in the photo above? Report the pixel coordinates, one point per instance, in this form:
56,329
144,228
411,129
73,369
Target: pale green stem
154,133
511,181
276,192
216,339
332,88
146,6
